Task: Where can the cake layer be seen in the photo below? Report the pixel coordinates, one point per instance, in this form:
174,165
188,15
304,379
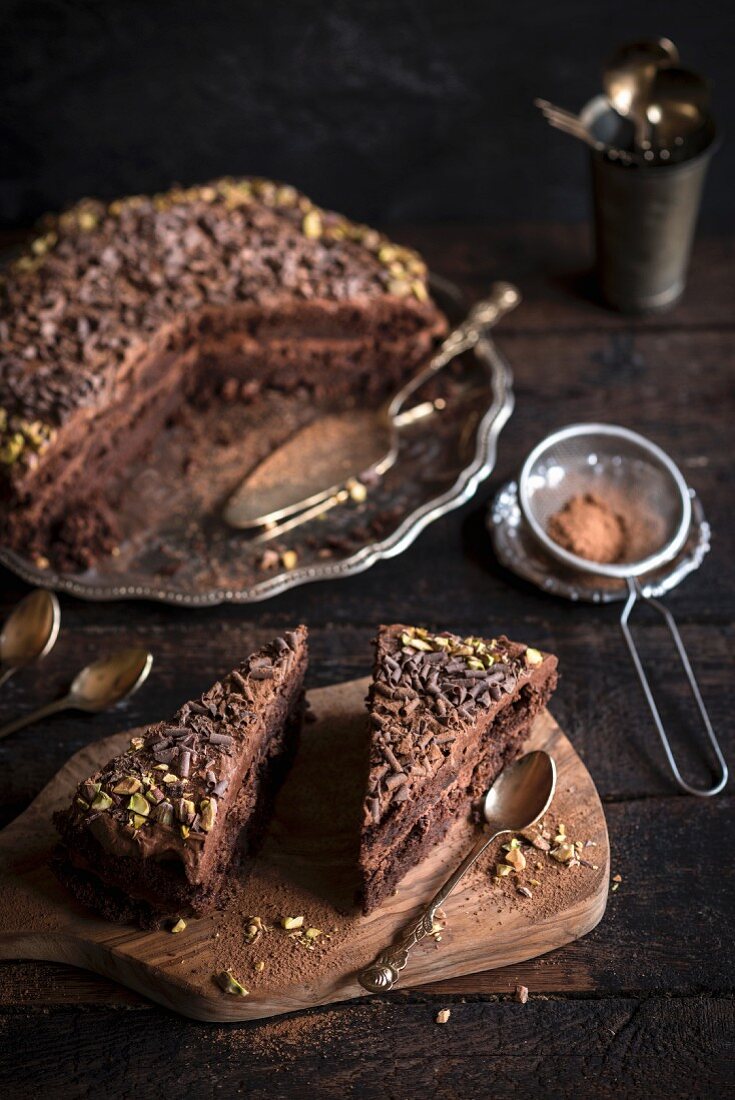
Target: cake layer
155,830
446,715
117,312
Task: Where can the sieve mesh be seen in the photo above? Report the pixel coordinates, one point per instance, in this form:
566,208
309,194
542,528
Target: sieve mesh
632,475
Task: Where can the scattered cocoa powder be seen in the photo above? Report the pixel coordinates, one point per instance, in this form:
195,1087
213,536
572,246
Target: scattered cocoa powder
588,527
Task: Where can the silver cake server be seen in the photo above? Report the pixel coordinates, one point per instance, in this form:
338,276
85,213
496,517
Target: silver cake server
346,450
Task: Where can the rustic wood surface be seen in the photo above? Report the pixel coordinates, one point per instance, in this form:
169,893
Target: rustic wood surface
644,1005
487,928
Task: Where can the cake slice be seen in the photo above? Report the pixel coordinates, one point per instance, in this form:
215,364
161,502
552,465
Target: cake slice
153,833
446,715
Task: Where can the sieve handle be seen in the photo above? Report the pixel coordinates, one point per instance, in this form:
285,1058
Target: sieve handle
635,592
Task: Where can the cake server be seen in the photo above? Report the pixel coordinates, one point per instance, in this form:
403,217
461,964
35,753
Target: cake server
350,448
520,795
605,457
30,632
100,685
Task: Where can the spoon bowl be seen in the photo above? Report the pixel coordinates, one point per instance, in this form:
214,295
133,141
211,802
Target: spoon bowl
30,631
522,793
109,680
629,76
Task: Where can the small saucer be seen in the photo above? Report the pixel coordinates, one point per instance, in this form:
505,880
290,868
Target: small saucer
519,551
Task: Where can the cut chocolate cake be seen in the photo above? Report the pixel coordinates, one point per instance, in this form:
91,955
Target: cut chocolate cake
446,715
152,834
117,313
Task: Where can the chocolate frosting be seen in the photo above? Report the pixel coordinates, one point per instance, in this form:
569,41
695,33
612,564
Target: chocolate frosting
426,693
102,283
167,797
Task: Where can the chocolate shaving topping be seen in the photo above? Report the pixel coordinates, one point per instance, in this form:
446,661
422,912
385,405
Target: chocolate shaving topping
422,685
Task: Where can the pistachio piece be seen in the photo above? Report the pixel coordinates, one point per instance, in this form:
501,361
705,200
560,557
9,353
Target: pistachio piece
313,933
127,785
533,657
139,804
563,853
290,923
137,821
179,926
289,559
357,491
504,869
136,743
169,777
207,813
312,225
228,983
102,801
516,859
164,813
442,1016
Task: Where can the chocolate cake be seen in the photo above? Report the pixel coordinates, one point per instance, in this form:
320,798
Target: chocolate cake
446,715
153,833
117,313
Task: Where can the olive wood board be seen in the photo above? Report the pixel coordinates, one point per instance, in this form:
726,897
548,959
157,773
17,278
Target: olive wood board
307,862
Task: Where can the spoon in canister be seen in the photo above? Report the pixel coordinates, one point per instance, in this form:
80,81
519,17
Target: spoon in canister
628,77
98,686
520,795
30,632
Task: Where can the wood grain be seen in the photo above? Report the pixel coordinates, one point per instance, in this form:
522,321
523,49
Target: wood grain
487,928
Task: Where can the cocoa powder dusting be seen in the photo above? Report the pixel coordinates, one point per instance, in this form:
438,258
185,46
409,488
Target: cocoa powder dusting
588,527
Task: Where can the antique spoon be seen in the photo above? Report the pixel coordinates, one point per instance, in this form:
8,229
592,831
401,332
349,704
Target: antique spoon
30,632
678,105
96,687
520,795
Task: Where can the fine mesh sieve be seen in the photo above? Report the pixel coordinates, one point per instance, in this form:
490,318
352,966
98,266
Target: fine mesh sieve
640,482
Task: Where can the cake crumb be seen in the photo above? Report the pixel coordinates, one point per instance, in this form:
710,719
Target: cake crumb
521,994
442,1016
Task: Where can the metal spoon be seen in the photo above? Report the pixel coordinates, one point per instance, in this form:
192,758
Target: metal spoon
96,687
628,78
30,632
678,103
520,795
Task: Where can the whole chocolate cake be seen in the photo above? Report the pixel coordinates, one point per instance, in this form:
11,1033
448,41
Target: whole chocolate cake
152,834
117,313
446,715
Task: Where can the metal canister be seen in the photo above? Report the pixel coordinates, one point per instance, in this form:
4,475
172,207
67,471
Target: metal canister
645,219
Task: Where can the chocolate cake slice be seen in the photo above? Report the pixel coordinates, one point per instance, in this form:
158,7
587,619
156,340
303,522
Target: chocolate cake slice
446,715
153,833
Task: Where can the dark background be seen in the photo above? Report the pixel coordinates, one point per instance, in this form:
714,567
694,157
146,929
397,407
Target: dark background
390,110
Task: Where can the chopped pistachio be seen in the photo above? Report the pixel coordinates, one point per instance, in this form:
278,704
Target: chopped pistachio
82,803
208,813
289,559
442,1016
259,966
164,813
185,831
179,926
533,657
563,853
137,821
312,225
313,933
504,869
102,801
290,923
128,785
516,858
169,777
139,804
137,743
357,491
228,983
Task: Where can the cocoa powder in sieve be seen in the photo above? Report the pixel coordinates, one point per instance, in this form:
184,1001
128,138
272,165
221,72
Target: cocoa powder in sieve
590,528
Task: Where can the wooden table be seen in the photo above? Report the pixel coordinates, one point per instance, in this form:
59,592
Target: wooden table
643,1005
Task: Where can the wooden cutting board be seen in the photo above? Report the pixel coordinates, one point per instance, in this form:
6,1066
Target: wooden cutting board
306,868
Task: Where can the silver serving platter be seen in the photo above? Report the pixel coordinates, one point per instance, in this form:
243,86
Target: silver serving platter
518,550
441,462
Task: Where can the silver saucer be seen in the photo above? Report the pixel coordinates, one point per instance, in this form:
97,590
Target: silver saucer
519,551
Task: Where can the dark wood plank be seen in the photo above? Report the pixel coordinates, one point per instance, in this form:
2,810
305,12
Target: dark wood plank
622,1046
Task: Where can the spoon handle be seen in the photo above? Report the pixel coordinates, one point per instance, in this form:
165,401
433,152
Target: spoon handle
383,974
35,716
